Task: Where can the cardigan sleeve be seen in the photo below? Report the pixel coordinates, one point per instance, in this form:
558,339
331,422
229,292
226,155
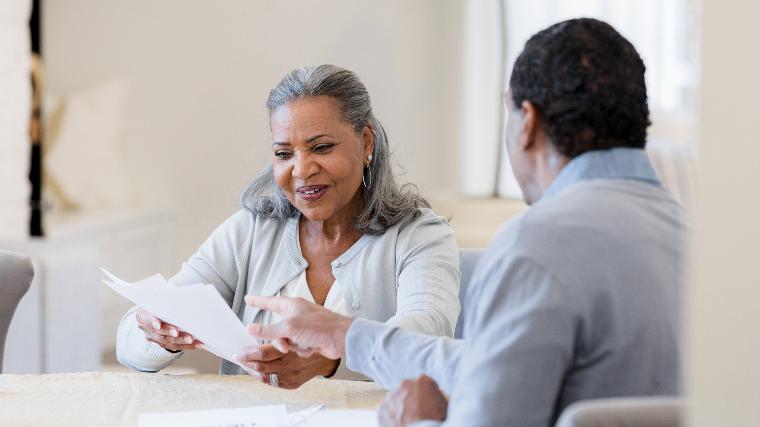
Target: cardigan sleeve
427,271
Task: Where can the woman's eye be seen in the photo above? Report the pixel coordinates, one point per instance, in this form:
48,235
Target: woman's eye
282,154
322,148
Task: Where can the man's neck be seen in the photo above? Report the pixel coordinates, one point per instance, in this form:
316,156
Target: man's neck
549,164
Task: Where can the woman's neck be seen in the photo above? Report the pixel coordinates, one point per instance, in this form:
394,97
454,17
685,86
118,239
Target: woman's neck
339,227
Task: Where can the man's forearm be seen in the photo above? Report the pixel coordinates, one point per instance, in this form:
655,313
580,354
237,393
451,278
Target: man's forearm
389,354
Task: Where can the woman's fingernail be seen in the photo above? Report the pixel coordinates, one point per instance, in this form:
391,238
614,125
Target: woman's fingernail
156,325
174,332
199,346
188,339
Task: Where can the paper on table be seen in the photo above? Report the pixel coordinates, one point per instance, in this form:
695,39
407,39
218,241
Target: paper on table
261,416
258,416
196,309
334,418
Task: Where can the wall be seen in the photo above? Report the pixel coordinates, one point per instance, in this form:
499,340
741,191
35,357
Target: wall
198,74
15,109
722,378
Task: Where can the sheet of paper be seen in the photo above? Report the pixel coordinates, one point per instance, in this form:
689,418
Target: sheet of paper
196,309
338,418
261,416
258,416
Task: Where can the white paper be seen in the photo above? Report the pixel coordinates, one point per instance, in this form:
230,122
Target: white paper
258,416
196,309
339,418
261,416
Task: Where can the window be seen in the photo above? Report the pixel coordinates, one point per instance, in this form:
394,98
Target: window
665,32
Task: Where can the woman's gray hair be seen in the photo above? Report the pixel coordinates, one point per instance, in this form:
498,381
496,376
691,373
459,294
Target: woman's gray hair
384,202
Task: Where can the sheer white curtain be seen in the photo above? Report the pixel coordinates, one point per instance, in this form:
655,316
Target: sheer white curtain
15,104
665,32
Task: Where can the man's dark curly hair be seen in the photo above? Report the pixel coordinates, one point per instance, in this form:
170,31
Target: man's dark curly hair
587,83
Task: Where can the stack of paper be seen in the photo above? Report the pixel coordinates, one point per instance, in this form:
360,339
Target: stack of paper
198,310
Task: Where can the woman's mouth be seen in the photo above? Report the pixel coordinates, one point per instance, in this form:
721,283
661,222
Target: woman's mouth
311,193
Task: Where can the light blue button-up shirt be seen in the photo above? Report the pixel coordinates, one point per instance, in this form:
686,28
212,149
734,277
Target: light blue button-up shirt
577,298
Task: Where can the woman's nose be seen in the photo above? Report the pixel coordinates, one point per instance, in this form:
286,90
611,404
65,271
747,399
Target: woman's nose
304,166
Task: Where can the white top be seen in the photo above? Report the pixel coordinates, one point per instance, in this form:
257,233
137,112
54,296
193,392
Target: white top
298,287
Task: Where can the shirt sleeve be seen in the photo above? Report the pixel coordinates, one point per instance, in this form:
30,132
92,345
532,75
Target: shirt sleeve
216,263
390,354
427,294
520,345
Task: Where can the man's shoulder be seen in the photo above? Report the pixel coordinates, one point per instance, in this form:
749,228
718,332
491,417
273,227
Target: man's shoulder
587,204
588,215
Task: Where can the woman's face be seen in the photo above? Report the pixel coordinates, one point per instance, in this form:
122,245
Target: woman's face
318,159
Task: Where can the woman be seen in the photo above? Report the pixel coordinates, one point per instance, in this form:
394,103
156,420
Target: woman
326,222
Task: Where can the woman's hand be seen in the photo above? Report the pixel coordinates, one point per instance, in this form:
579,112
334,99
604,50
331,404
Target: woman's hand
164,334
292,371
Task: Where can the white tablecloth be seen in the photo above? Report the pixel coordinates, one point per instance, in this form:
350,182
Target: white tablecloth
116,399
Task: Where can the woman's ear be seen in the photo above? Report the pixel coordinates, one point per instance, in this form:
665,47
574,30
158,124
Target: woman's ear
369,136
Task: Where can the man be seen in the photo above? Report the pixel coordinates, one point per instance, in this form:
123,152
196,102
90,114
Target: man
575,299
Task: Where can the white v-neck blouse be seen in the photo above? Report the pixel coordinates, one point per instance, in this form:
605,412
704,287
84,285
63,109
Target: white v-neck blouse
299,288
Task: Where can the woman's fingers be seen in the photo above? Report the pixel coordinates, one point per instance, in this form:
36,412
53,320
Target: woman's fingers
173,343
154,326
147,320
261,353
262,367
164,334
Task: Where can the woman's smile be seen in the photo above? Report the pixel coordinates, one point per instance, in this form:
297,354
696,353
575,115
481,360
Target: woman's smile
311,193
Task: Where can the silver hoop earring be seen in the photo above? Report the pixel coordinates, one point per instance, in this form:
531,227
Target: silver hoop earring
369,177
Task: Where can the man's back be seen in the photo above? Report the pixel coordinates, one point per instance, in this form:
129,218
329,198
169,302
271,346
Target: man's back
576,299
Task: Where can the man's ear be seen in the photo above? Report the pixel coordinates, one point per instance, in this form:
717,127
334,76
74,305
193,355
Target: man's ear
529,125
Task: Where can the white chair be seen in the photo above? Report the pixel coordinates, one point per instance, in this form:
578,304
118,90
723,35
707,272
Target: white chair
16,274
468,258
624,412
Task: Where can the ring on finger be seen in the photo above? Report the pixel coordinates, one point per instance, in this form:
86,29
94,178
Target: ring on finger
274,381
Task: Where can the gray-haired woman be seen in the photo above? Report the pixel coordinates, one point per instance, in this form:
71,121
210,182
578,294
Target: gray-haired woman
326,222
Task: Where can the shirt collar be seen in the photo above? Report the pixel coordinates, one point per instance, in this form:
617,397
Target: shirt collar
615,163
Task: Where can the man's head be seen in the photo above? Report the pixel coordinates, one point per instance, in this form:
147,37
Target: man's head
577,86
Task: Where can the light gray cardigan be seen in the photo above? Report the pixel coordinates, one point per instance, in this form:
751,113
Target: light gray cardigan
407,277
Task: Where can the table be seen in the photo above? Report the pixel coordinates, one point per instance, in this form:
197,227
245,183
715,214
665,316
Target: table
116,399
